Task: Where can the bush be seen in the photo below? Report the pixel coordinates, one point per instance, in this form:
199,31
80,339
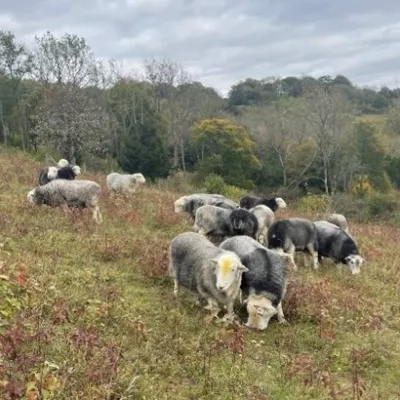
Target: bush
361,186
314,203
216,184
380,205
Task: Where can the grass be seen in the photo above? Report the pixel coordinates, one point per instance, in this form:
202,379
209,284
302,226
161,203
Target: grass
87,311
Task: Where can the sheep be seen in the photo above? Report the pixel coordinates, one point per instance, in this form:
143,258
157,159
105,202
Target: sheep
47,174
191,203
249,202
242,222
338,220
265,218
69,173
63,163
335,243
264,284
294,234
67,193
212,220
124,182
206,270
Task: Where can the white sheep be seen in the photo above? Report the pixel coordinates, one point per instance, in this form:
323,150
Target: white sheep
338,220
67,193
126,183
265,217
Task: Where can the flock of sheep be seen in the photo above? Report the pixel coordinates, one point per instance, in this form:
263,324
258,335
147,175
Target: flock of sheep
251,254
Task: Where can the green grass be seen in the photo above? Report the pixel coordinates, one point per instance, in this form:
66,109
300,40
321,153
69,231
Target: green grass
95,302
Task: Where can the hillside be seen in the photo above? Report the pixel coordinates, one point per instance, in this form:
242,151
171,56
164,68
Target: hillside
87,312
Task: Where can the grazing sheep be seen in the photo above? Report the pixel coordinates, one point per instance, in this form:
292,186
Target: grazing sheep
206,270
338,220
124,182
47,174
69,173
212,220
191,203
249,202
265,218
264,284
242,222
294,234
335,243
60,192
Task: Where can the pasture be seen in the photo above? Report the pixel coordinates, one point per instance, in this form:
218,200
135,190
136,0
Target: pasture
87,311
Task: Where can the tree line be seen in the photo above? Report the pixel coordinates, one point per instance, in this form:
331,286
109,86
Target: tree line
303,132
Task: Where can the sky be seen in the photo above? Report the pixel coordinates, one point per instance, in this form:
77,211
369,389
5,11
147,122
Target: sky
221,42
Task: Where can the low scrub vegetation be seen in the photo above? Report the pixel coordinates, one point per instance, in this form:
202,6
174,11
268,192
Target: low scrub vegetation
87,311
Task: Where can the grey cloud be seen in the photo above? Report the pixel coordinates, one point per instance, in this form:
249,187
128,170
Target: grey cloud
223,41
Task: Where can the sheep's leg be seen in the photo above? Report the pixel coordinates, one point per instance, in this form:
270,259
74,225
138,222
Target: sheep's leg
306,260
230,315
314,255
176,287
281,317
291,251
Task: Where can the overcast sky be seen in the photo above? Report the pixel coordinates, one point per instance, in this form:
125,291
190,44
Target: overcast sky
223,41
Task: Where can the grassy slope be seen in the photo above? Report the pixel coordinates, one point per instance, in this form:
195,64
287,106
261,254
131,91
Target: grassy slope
95,301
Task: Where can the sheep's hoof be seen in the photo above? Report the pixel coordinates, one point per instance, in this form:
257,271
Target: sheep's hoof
283,321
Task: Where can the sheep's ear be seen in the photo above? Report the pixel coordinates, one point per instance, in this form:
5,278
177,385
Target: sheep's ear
213,262
243,268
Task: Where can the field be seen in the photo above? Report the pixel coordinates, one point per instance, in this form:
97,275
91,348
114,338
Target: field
88,312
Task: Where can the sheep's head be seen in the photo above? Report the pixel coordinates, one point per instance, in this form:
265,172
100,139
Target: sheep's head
31,196
63,163
180,204
228,269
138,178
260,311
52,173
76,169
280,202
354,262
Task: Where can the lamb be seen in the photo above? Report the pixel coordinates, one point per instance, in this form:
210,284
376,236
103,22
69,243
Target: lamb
212,220
67,193
264,284
249,202
294,234
338,220
335,243
191,203
265,218
242,222
206,270
124,182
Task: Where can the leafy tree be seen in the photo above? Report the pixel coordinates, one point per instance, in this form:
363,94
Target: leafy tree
225,149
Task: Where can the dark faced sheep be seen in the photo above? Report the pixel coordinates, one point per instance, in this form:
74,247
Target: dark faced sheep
249,202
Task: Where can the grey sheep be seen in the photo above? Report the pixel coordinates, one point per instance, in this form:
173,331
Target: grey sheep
265,218
264,284
294,234
212,220
242,222
335,243
191,203
206,270
66,193
125,183
339,220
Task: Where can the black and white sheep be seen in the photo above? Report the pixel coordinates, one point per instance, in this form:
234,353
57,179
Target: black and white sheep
264,284
242,222
206,270
293,234
249,202
47,174
265,218
191,203
125,183
67,193
335,243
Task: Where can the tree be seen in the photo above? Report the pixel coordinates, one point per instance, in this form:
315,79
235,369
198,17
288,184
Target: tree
225,149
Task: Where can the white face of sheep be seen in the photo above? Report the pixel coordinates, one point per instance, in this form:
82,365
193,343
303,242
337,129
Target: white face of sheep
354,263
180,205
228,270
31,196
63,163
77,170
260,310
138,178
280,202
52,173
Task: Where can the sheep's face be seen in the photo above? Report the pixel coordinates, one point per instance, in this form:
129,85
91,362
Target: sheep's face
180,205
354,263
280,202
228,269
260,311
31,196
77,170
52,173
138,178
63,163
